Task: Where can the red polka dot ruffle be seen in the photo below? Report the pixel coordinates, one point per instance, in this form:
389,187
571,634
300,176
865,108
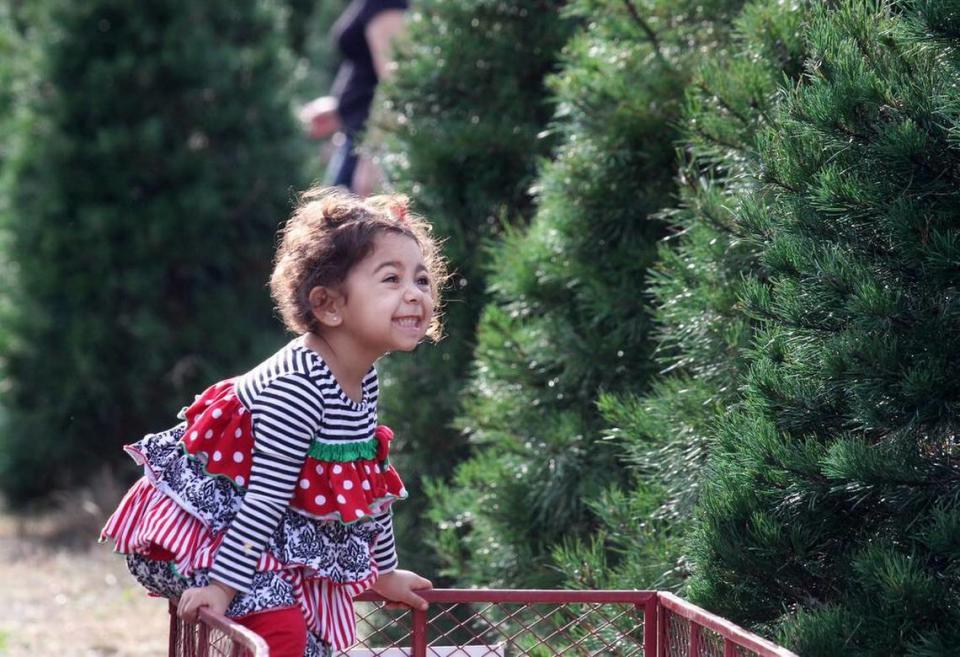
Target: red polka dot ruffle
220,434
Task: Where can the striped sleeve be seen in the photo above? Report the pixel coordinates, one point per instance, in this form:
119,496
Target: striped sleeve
285,416
385,549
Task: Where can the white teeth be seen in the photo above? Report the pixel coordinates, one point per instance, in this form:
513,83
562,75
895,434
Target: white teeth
411,322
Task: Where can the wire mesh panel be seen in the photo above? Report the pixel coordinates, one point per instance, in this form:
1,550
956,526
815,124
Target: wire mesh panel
212,636
507,623
492,623
677,631
488,623
688,631
685,638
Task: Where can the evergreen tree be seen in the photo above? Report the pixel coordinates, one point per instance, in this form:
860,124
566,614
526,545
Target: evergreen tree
701,331
830,516
570,317
20,46
22,37
299,19
18,55
144,211
459,130
316,62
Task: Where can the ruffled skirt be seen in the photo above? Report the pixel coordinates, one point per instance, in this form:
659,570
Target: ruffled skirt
171,522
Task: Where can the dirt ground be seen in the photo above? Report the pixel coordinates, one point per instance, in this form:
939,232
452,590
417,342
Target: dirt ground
64,595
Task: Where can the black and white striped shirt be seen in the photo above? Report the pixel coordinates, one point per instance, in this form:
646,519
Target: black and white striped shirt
293,400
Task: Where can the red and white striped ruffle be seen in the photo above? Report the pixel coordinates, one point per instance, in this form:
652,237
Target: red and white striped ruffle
147,521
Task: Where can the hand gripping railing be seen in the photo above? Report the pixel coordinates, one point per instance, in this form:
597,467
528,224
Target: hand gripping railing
510,623
212,636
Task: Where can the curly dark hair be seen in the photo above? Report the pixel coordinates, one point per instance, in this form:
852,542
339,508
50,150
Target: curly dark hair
329,232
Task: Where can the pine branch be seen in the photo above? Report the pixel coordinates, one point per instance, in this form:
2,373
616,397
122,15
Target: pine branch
776,182
724,104
651,35
760,107
861,139
731,228
716,140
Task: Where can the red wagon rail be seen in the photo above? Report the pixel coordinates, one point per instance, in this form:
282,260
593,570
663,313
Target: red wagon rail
213,636
518,623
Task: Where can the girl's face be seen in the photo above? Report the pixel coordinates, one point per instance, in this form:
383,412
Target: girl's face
388,298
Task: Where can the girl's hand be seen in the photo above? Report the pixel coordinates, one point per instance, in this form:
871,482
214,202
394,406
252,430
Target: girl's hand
215,596
398,586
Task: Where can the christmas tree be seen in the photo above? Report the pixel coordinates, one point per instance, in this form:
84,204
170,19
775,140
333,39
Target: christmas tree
830,515
570,316
162,157
701,330
21,39
459,129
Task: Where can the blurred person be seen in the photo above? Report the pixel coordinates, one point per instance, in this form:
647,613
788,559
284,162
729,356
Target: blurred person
364,33
270,502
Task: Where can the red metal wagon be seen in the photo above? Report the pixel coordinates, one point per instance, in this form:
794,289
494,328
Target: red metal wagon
510,623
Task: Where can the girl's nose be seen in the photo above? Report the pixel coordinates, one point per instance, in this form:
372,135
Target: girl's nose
413,294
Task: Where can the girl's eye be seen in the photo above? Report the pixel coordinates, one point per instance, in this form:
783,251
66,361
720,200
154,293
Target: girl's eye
392,278
424,281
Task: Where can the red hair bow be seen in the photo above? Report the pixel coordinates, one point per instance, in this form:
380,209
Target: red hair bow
399,210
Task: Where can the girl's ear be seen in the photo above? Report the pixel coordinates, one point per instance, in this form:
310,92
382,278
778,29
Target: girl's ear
325,304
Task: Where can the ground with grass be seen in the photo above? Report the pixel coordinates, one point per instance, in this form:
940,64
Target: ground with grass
64,595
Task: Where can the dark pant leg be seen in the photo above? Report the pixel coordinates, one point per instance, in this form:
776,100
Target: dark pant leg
342,165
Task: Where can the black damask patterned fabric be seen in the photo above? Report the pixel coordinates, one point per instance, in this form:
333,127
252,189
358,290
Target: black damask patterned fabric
268,590
336,551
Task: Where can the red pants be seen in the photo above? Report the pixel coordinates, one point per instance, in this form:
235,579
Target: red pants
284,630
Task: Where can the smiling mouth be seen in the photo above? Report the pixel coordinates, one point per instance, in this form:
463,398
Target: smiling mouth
407,322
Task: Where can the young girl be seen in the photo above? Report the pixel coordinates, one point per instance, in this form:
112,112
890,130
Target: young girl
270,501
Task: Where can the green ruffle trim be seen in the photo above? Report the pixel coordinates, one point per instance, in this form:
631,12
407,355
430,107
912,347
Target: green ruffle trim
345,453
365,449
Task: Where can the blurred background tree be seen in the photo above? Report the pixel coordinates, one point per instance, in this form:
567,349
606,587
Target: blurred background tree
161,155
460,130
570,316
308,32
316,58
20,47
830,516
21,44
